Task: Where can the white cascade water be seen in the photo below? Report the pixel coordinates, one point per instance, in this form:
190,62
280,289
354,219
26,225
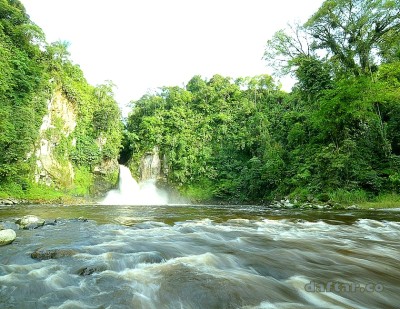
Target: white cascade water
129,192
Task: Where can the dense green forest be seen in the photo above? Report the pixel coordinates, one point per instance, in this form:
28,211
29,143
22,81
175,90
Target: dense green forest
334,137
31,72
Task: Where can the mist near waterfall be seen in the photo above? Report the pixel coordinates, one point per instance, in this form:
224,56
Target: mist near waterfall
130,192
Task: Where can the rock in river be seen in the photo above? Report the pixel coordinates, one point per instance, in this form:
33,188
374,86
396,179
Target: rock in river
89,270
7,237
30,222
47,254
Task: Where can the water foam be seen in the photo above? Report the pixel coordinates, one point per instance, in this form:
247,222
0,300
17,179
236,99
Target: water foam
130,192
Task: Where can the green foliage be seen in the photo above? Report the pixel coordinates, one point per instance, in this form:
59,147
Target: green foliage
286,46
200,191
215,136
37,192
352,31
313,75
383,200
23,88
25,189
86,152
345,197
32,73
334,137
11,189
83,181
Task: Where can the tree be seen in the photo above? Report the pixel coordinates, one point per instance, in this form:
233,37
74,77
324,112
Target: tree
19,29
313,77
58,52
286,46
353,31
293,52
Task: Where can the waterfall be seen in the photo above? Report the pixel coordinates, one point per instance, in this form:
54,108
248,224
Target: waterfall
130,192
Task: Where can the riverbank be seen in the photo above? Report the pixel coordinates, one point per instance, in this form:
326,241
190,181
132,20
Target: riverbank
279,204
62,200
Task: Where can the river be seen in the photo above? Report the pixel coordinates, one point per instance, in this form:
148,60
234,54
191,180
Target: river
193,256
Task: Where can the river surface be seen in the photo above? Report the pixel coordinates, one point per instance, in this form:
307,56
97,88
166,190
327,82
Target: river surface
204,257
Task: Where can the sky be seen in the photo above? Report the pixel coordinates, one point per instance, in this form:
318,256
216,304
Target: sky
143,45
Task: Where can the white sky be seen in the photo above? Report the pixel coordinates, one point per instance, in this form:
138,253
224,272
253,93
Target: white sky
142,45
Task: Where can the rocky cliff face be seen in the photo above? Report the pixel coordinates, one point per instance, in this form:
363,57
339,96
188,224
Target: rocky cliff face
150,165
105,177
60,121
153,165
57,140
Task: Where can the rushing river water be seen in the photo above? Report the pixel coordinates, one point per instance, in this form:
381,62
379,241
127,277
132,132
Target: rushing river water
202,257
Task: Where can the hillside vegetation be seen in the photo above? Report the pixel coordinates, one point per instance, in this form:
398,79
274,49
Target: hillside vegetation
335,136
33,72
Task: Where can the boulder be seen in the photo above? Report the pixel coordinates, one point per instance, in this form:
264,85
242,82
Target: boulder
288,204
11,201
7,237
47,254
89,270
6,202
30,222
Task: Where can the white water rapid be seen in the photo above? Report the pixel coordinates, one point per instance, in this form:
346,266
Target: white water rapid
129,192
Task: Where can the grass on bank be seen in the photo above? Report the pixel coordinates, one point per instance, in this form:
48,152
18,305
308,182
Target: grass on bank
364,200
36,193
76,193
390,200
30,191
198,192
348,197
